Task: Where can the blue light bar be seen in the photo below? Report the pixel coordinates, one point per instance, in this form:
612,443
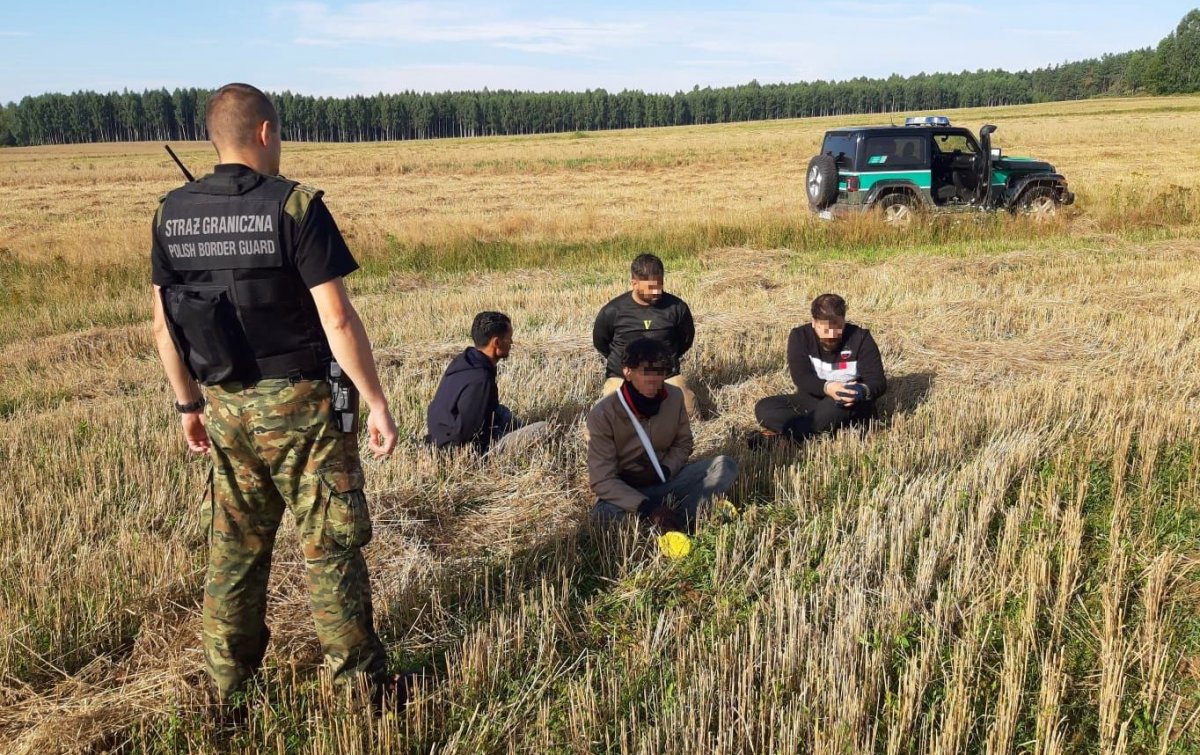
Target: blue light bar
927,120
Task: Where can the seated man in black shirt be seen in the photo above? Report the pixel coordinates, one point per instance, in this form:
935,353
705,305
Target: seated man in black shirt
466,408
838,374
645,311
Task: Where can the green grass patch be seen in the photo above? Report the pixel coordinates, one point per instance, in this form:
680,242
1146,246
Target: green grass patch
55,296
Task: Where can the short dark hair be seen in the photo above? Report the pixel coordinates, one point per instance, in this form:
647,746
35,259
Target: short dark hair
235,111
828,307
489,325
646,352
646,267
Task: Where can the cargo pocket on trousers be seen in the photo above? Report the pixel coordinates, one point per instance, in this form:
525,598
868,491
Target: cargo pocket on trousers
347,521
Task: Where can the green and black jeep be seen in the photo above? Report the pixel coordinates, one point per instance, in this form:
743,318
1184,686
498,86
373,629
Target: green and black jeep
927,165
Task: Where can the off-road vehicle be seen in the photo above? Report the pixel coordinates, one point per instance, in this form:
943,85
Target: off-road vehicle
927,165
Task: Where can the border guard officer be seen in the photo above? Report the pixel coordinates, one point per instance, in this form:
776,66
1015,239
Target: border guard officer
249,302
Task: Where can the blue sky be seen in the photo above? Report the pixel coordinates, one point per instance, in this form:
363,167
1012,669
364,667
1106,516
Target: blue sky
338,48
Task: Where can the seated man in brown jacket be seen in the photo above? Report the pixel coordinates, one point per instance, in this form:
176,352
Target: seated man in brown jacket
663,488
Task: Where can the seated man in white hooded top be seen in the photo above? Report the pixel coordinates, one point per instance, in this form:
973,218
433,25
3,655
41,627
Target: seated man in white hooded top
838,373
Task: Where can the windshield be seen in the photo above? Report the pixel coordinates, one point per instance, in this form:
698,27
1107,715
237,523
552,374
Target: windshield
950,143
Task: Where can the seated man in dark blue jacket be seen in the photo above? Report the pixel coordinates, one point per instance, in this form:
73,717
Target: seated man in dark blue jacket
838,373
466,408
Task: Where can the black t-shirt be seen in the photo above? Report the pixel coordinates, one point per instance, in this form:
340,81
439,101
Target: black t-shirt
623,320
313,246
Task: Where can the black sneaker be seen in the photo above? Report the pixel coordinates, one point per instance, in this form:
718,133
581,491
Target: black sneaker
757,440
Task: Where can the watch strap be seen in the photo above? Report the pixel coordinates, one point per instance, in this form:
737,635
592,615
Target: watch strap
194,406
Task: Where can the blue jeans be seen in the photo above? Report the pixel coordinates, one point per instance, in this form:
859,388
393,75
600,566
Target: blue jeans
510,432
503,422
694,487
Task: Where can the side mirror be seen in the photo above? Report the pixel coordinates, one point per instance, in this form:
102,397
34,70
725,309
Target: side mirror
996,153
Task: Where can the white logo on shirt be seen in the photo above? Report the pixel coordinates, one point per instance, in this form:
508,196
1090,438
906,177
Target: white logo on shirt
835,372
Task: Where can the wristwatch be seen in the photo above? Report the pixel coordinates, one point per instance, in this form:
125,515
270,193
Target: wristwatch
194,406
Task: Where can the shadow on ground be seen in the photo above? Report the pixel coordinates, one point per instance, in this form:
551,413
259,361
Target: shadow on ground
905,393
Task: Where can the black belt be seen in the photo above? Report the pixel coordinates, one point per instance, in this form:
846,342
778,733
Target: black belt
305,364
292,377
297,375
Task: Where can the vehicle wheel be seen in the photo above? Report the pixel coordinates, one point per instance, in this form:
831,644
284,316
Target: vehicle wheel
1040,203
898,209
821,183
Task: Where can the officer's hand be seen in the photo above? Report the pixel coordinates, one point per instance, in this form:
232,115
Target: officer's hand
381,432
194,432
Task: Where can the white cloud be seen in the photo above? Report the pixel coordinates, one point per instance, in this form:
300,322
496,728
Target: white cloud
1050,33
868,10
416,22
549,48
722,62
469,46
13,34
957,9
316,42
469,76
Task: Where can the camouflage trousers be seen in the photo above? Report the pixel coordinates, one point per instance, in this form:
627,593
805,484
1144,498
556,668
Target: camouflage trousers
273,448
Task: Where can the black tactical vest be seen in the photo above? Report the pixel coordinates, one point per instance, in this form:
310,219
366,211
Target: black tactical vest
241,312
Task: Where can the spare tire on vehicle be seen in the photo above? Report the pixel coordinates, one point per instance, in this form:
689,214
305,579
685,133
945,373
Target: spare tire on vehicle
821,183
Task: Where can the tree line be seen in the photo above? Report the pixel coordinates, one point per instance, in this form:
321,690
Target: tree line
158,114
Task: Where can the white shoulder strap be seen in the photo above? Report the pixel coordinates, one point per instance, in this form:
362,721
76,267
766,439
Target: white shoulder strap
641,432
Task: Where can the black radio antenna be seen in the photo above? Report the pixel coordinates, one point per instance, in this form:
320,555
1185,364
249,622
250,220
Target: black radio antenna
186,173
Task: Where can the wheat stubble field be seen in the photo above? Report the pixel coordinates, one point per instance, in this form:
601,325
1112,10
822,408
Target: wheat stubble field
1010,563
